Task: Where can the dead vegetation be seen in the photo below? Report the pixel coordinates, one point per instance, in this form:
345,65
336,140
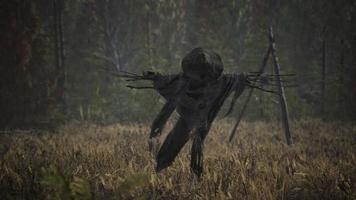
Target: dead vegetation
82,161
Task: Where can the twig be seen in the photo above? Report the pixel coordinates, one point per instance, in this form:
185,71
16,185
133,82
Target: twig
139,87
262,89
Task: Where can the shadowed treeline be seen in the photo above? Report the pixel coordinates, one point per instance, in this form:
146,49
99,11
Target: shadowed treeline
55,55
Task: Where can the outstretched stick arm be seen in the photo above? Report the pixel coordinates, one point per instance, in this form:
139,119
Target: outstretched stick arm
132,77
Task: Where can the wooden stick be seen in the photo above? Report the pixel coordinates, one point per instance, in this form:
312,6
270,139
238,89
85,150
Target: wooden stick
273,84
264,90
253,75
139,87
282,97
261,70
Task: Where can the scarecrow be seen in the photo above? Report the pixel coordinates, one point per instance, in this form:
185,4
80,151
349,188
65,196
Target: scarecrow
197,94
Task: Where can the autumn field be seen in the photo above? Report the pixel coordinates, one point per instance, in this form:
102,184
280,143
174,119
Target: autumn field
85,161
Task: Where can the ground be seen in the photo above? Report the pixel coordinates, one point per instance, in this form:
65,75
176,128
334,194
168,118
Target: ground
85,161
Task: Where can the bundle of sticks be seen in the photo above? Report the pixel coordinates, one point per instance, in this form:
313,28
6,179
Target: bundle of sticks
267,82
263,82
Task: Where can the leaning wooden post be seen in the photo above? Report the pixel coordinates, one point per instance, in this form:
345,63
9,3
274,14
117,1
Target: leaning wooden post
282,97
261,70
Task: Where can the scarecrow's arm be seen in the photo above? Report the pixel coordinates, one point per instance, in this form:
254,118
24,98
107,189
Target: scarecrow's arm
239,86
167,85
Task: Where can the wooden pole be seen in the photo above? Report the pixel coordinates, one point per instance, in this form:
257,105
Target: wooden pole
261,70
282,97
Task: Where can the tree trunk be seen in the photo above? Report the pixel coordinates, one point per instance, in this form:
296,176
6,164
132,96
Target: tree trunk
55,33
323,70
59,51
148,33
341,91
61,37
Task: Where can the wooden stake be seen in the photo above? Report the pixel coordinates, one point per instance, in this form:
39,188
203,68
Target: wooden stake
282,97
261,70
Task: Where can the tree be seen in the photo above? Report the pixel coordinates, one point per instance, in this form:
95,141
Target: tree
24,82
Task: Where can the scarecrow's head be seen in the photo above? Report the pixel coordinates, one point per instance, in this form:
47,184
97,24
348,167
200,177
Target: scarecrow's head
202,66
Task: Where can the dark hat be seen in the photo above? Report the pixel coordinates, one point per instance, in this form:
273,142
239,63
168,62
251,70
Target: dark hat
202,65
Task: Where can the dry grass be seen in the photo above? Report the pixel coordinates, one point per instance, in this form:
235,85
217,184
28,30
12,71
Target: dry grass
89,162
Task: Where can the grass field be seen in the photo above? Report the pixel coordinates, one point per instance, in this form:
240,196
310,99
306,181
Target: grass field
83,161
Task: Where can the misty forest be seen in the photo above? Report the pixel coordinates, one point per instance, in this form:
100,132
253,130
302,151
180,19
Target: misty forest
178,99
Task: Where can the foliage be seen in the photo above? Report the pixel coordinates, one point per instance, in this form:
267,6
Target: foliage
55,183
57,187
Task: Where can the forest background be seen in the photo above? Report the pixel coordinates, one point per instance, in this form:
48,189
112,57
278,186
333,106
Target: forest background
57,56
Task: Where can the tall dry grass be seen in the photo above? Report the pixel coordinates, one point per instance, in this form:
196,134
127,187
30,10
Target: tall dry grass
83,161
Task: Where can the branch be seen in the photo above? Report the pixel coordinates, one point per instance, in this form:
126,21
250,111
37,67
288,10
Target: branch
139,87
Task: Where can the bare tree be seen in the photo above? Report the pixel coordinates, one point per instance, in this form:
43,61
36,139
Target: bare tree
58,6
116,24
